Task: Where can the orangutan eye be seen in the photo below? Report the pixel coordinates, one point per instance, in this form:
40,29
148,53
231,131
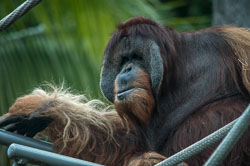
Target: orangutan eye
124,60
137,57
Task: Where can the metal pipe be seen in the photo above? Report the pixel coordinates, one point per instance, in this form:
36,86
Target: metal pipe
7,138
41,156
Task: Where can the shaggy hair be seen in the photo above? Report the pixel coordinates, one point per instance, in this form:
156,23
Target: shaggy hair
238,39
88,130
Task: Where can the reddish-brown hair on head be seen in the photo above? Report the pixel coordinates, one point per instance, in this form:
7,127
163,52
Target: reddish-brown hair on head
147,28
134,21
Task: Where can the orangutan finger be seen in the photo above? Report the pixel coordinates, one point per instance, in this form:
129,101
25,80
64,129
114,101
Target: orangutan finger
11,119
12,127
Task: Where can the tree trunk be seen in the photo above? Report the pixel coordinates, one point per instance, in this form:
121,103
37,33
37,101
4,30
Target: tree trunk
231,12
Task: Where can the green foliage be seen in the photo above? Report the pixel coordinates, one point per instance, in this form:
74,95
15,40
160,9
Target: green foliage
184,14
58,41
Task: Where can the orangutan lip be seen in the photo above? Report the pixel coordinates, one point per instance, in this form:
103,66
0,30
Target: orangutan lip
122,94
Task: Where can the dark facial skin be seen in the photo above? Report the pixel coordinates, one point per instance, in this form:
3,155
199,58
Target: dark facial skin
133,84
124,82
126,79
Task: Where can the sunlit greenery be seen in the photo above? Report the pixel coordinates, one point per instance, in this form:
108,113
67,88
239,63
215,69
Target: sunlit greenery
59,42
62,42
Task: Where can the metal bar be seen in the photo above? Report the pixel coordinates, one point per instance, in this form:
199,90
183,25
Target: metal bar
7,138
36,155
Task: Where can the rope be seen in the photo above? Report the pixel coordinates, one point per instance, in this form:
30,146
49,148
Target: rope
17,13
222,151
230,140
198,146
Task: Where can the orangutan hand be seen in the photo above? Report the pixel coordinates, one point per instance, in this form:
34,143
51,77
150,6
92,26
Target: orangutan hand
25,116
24,125
149,159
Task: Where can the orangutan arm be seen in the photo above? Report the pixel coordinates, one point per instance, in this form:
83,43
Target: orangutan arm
77,128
